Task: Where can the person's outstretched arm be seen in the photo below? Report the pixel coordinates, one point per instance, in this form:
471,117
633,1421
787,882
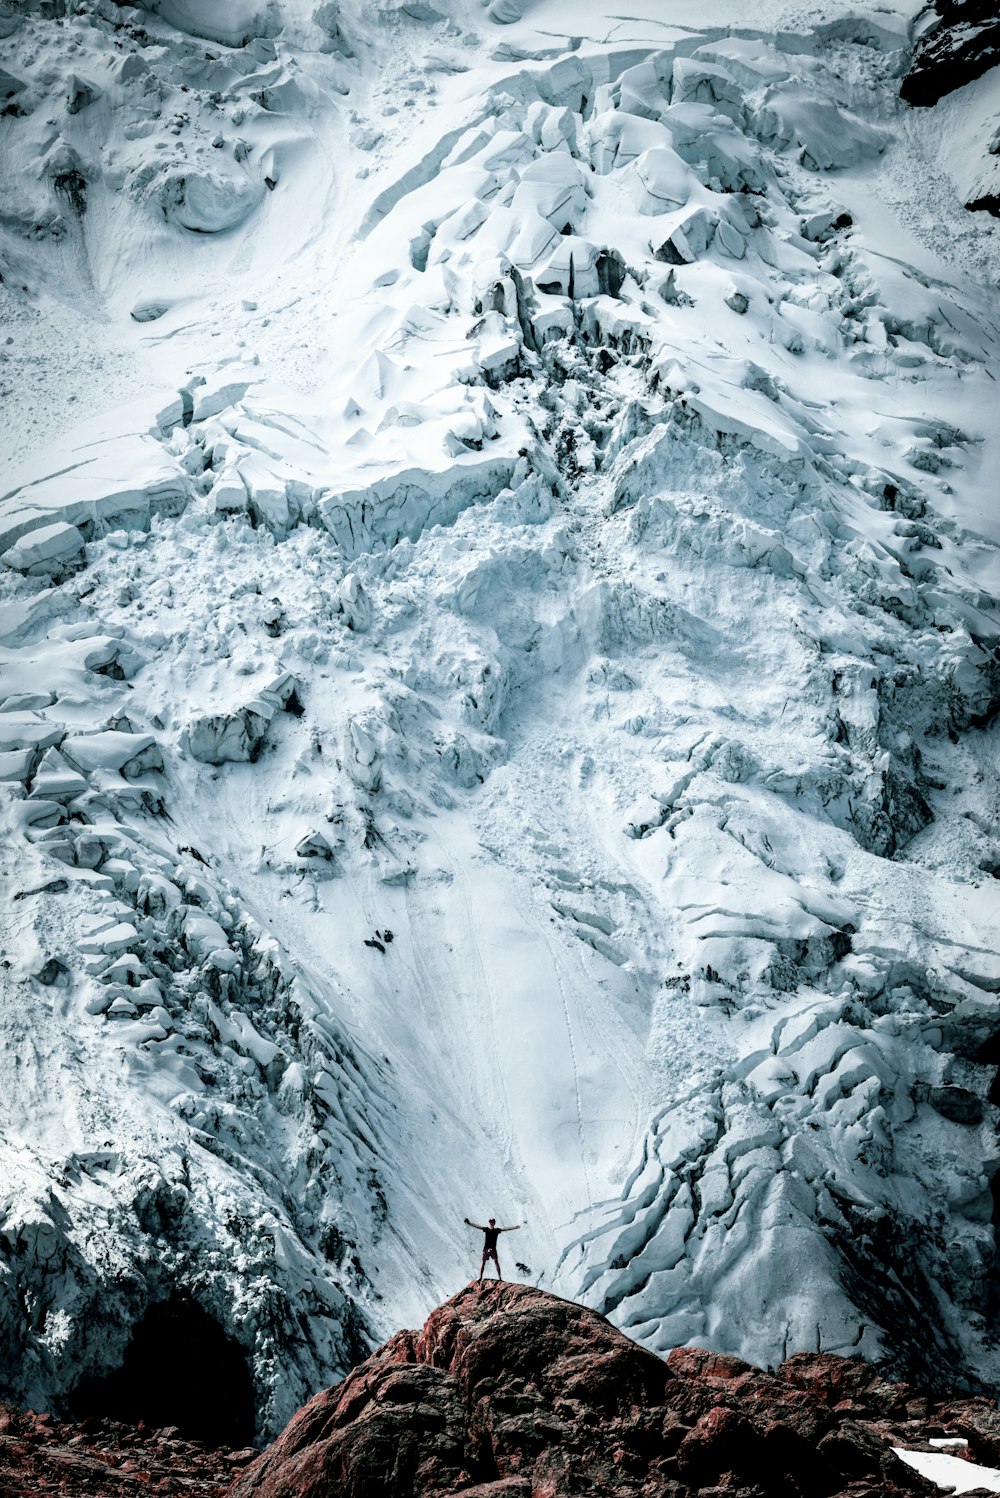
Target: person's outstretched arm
514,1229
477,1225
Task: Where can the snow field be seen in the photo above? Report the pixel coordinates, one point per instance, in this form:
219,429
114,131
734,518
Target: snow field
952,1473
578,561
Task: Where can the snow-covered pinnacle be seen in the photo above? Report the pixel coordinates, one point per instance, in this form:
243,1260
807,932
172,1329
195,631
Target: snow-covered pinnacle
499,694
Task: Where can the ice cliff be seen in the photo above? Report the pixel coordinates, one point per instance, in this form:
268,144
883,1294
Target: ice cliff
498,644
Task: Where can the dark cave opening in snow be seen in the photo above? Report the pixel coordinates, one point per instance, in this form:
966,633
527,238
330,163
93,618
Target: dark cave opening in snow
180,1368
989,1055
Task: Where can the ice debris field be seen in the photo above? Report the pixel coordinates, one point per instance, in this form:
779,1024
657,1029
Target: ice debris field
498,645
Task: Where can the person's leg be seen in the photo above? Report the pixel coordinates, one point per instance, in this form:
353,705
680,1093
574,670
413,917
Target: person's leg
482,1267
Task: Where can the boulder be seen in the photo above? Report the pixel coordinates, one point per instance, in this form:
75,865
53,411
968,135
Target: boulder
698,1362
722,1441
856,1452
207,201
148,309
978,1420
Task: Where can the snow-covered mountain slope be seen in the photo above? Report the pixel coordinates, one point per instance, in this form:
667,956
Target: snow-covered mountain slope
500,689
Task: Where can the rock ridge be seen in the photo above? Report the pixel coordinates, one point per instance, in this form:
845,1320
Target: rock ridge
510,1392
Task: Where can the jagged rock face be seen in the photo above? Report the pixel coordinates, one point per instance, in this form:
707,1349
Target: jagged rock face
499,694
954,68
509,1391
960,45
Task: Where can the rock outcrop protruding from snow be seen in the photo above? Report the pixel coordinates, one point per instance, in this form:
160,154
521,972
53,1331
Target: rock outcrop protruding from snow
953,73
959,42
509,1391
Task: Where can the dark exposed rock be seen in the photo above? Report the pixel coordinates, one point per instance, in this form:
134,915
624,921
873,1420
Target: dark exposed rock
988,203
978,1420
98,1458
956,1103
854,1450
611,272
722,1441
962,46
835,1381
509,1391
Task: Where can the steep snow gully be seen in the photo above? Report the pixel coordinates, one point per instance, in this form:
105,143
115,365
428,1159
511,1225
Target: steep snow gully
498,642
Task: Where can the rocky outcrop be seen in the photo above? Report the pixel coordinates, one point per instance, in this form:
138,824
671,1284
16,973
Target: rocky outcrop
960,45
511,1391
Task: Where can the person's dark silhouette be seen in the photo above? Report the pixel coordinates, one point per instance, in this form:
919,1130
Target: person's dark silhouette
491,1234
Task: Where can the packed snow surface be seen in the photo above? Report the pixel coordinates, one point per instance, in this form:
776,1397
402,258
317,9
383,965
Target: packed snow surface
498,642
952,1473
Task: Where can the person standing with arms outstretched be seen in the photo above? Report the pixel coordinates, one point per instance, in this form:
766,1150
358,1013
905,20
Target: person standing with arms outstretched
492,1233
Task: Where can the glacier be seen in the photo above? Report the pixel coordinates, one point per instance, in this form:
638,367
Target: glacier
499,672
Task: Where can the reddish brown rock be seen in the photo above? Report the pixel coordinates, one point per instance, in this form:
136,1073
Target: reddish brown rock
698,1362
511,1393
504,1385
978,1420
106,1459
722,1441
833,1379
855,1451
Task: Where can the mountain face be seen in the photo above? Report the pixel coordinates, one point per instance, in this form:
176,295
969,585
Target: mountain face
498,644
956,55
959,41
